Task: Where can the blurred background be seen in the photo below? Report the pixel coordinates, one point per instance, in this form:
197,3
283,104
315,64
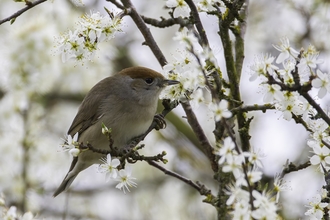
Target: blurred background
40,95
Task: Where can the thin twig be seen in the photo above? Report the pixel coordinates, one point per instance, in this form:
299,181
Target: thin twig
249,108
292,167
207,82
131,155
176,175
199,132
320,111
198,23
200,188
203,39
299,120
244,166
149,40
117,4
239,39
303,91
163,23
18,13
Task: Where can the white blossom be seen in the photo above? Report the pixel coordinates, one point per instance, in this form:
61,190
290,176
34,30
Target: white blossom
92,29
280,186
109,167
316,208
286,50
220,110
70,143
181,7
322,82
321,156
226,150
125,179
262,66
265,206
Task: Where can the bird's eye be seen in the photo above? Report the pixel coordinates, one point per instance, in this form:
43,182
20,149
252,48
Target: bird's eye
149,80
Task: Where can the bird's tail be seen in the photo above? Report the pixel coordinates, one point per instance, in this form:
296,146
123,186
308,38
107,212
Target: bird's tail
75,168
65,184
68,179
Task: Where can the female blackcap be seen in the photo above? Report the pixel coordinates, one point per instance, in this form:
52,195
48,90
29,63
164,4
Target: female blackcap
125,102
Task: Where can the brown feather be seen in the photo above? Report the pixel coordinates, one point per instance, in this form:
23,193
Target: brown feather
141,72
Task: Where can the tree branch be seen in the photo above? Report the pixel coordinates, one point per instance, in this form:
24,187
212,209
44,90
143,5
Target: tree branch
199,187
132,155
292,167
206,146
234,78
249,108
18,13
149,40
163,23
302,90
198,23
313,103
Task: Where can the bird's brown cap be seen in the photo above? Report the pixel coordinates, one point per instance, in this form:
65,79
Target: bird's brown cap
141,72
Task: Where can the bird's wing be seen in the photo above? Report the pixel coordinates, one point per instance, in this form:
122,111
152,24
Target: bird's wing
83,120
89,112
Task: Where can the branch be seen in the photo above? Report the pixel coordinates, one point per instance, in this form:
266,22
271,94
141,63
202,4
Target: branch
313,103
292,167
239,32
204,43
207,82
302,90
199,187
244,164
194,124
299,120
149,40
225,20
249,108
198,23
163,23
18,13
131,155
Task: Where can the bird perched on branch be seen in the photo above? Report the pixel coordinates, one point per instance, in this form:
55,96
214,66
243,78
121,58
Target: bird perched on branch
125,102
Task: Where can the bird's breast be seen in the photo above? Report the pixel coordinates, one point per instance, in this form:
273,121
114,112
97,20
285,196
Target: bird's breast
128,123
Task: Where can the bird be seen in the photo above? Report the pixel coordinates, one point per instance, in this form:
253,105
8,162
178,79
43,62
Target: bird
126,102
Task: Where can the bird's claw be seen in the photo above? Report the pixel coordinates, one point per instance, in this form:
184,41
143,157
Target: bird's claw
160,122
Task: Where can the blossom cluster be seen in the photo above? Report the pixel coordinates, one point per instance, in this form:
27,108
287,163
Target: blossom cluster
186,70
297,68
317,207
290,89
190,69
124,176
245,168
91,30
11,212
182,9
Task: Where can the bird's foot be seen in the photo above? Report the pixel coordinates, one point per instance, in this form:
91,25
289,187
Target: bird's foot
159,121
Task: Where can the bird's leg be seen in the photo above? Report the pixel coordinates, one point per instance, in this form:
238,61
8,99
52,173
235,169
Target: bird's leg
159,122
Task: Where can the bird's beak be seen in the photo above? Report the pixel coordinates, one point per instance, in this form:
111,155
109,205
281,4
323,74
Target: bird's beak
168,82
